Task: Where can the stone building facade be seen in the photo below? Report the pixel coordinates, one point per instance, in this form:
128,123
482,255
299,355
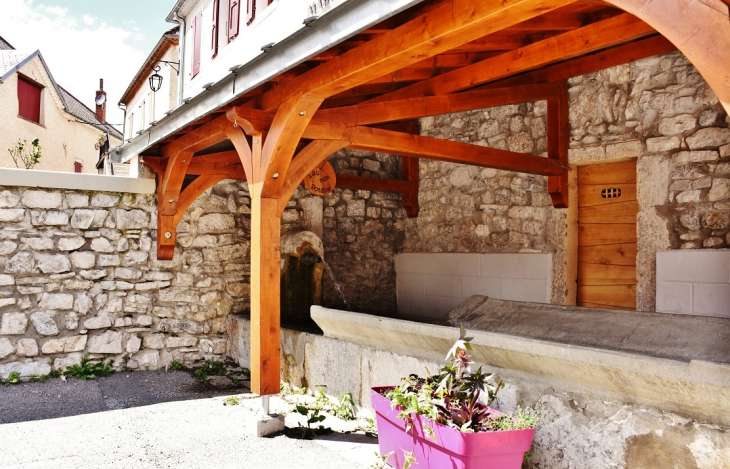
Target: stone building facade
78,272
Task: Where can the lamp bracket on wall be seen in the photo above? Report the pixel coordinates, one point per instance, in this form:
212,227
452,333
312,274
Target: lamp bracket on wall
156,78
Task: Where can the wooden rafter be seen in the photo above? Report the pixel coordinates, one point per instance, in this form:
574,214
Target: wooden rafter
449,24
370,113
589,38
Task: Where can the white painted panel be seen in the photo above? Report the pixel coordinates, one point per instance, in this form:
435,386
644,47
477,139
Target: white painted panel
426,306
491,287
537,266
442,285
460,264
711,300
425,263
517,289
410,283
694,266
674,297
502,265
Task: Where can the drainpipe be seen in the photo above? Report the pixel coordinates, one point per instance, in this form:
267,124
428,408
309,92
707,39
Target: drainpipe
181,34
123,108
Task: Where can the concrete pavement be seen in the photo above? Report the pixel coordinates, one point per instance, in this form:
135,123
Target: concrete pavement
124,421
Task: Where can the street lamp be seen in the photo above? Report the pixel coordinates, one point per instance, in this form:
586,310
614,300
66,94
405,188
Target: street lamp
156,78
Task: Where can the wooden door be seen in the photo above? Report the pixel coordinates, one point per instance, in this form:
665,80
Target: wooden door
607,210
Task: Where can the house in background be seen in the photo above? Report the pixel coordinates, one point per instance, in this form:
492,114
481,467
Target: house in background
33,105
142,106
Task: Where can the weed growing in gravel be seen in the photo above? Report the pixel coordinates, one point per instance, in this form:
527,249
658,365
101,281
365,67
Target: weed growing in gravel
13,378
211,367
309,433
87,370
233,400
176,365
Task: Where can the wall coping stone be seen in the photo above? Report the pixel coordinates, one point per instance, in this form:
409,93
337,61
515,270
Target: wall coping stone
12,177
696,387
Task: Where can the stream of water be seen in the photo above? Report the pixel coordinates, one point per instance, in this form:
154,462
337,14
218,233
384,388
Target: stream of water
338,285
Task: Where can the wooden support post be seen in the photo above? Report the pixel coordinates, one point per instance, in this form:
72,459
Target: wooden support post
265,288
558,135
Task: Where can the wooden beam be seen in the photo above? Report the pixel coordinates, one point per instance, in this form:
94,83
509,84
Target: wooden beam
305,161
346,181
589,38
558,139
622,54
550,22
368,138
370,113
700,29
193,191
286,130
448,25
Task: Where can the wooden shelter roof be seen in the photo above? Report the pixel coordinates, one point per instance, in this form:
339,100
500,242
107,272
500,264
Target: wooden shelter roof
438,57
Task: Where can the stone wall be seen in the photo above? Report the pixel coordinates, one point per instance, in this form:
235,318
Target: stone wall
78,274
660,111
657,110
363,230
582,426
471,209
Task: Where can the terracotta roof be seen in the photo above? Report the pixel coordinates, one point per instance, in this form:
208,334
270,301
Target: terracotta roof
12,60
166,42
5,45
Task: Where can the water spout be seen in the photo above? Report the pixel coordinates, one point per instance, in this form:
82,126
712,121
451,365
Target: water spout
338,285
310,259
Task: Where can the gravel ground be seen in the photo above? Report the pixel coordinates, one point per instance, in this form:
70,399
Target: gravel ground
158,420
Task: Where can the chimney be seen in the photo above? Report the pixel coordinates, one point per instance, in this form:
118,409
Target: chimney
101,101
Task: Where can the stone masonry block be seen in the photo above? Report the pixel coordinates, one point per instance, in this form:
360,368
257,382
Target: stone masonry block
13,324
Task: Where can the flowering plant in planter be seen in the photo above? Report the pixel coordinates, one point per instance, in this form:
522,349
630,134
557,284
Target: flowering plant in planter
449,420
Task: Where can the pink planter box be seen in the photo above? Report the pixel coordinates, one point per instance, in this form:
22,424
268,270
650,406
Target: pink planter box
452,449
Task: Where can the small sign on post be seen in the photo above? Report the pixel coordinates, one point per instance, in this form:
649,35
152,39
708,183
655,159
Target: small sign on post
321,180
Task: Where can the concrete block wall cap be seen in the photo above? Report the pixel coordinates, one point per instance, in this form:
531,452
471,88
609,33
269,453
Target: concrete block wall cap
12,177
397,334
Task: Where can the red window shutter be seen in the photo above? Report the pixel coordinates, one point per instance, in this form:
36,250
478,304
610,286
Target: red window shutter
197,35
29,100
216,18
250,11
234,15
77,166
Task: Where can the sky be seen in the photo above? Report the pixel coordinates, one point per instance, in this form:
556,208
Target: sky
84,40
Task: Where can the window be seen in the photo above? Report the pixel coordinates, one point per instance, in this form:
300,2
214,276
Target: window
197,35
234,13
214,32
29,100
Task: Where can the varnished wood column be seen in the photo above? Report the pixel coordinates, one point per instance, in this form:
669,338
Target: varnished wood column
265,288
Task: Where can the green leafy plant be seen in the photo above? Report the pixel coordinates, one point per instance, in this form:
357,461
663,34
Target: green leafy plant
22,153
313,416
233,400
346,409
176,365
211,367
89,370
13,378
